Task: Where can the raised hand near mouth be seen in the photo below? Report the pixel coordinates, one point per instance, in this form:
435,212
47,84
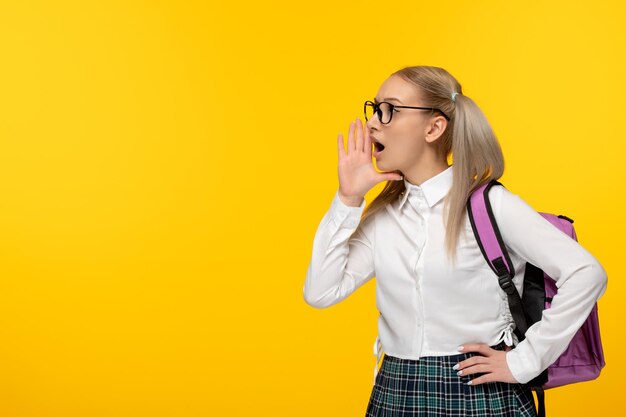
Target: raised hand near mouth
357,174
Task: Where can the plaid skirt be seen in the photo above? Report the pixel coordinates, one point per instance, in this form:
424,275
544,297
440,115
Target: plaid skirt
430,387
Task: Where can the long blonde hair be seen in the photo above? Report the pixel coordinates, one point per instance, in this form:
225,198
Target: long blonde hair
468,139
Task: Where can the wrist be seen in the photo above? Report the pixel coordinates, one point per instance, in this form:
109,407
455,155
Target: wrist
351,201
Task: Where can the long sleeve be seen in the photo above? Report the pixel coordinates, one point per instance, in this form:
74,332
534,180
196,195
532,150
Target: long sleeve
342,258
579,277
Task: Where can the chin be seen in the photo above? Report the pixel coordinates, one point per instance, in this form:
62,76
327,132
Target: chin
384,166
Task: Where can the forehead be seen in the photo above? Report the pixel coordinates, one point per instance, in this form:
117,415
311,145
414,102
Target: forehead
396,87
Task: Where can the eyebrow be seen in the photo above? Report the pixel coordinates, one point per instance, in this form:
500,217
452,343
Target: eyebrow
388,99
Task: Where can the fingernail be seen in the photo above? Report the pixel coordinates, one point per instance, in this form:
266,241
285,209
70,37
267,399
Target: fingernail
460,348
455,367
469,383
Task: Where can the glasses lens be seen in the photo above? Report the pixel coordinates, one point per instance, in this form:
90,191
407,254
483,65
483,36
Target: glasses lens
384,112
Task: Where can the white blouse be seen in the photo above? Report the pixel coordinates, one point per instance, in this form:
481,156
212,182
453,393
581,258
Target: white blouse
429,308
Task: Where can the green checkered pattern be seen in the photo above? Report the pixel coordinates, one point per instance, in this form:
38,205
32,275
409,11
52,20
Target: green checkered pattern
430,387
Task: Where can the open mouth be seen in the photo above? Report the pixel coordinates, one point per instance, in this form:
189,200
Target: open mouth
378,147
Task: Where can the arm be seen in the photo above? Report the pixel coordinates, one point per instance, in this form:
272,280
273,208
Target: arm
342,257
579,277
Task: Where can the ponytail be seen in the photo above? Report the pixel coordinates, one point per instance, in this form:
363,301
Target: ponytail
468,140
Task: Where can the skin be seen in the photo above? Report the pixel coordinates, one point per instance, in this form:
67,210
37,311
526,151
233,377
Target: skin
410,138
410,147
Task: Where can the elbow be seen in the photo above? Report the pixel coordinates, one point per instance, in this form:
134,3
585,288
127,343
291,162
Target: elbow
316,302
313,294
314,298
601,277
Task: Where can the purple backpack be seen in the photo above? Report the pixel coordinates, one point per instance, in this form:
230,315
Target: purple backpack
583,359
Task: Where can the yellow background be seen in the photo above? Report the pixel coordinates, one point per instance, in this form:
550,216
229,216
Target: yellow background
165,165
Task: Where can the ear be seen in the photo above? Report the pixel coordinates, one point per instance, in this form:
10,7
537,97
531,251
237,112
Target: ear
436,128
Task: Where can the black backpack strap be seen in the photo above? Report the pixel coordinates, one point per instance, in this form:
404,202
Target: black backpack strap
503,268
502,265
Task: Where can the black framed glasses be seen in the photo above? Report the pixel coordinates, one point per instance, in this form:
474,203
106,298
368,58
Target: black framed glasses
385,110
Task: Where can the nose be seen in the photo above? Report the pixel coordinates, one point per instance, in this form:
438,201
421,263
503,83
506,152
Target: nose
373,123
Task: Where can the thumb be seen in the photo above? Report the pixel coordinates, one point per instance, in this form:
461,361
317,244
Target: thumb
394,177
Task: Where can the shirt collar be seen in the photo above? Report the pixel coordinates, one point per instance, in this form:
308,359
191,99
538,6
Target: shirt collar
433,189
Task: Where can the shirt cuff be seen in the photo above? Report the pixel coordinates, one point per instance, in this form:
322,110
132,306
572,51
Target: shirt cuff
345,216
520,365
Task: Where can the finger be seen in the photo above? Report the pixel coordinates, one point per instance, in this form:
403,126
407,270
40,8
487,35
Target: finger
478,368
474,360
342,151
367,146
351,145
359,135
390,177
481,348
482,379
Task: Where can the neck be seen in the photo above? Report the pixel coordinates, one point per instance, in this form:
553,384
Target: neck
424,171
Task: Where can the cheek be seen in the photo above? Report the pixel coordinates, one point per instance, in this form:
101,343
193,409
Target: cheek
406,136
407,146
